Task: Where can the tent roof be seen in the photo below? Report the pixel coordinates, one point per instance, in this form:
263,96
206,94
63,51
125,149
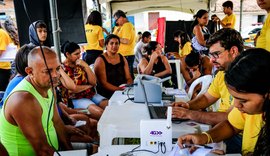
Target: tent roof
134,6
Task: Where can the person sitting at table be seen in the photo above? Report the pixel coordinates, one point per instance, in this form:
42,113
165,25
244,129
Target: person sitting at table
25,112
184,43
84,95
224,45
195,66
154,63
248,81
111,68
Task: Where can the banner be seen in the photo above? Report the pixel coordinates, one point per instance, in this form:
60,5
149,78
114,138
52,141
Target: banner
161,31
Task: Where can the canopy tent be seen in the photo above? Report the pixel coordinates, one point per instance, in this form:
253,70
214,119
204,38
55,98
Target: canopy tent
135,6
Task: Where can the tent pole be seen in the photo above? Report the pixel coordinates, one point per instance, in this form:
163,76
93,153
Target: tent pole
55,27
241,13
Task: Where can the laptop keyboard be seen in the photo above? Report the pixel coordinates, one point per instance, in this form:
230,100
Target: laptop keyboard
160,111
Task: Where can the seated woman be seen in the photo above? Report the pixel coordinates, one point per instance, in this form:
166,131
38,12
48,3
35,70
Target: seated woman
184,43
154,63
84,95
248,81
111,68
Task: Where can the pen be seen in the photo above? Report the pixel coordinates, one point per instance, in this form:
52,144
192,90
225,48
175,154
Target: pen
200,146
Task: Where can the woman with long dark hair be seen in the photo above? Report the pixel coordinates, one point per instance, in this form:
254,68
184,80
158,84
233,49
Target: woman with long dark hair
248,81
154,63
84,95
94,36
111,68
200,32
184,43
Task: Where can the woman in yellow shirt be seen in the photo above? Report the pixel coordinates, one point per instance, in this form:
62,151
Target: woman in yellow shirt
94,36
184,43
248,81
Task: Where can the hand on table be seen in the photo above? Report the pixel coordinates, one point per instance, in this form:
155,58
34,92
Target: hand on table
181,113
189,139
181,104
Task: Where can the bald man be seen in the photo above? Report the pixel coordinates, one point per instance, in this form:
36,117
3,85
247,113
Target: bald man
30,124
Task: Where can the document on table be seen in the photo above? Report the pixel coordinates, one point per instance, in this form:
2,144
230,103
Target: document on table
177,151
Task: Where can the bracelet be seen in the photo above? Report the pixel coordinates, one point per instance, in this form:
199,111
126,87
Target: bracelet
209,138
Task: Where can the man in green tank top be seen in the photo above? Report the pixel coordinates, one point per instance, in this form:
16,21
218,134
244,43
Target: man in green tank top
27,124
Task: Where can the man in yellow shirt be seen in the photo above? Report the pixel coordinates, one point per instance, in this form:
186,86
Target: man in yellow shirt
224,46
5,67
126,33
263,40
229,20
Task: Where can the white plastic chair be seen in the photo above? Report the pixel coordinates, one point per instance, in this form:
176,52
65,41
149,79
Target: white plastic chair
138,69
205,80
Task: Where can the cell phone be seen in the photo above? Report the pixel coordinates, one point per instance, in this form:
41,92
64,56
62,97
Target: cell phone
80,123
85,111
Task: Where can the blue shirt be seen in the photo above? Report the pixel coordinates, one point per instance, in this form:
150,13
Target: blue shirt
11,85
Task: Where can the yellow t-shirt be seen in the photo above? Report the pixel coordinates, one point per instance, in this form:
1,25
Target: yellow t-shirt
263,40
185,50
251,126
127,31
218,89
229,19
116,30
5,40
94,34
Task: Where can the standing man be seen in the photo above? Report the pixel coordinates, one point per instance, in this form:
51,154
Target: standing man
30,123
146,38
229,20
5,67
224,46
126,33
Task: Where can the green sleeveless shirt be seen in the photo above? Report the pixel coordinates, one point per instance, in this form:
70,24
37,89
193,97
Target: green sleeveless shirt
12,137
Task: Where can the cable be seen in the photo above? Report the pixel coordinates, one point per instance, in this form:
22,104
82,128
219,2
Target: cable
162,149
42,52
162,144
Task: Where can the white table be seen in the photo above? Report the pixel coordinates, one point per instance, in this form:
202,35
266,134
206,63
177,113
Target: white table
72,153
116,150
122,120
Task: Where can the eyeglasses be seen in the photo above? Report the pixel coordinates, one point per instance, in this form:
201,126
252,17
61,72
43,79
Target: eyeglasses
215,54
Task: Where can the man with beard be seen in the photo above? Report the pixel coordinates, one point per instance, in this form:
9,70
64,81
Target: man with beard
224,46
30,123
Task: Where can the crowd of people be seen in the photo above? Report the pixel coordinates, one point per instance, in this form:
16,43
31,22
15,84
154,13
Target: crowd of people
46,98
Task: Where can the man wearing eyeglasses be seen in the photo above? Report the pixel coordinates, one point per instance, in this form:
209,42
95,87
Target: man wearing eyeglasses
224,46
126,33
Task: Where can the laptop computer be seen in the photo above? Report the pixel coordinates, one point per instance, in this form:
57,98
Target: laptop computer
157,112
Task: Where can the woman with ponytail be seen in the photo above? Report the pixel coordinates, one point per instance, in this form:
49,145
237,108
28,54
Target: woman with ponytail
200,32
248,81
154,63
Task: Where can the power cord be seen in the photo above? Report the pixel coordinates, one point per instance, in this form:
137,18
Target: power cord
128,90
52,101
161,147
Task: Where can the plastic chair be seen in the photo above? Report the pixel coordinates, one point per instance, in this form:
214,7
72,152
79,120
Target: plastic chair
205,80
180,78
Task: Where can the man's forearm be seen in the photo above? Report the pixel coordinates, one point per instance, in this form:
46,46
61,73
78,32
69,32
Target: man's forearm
211,118
200,102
